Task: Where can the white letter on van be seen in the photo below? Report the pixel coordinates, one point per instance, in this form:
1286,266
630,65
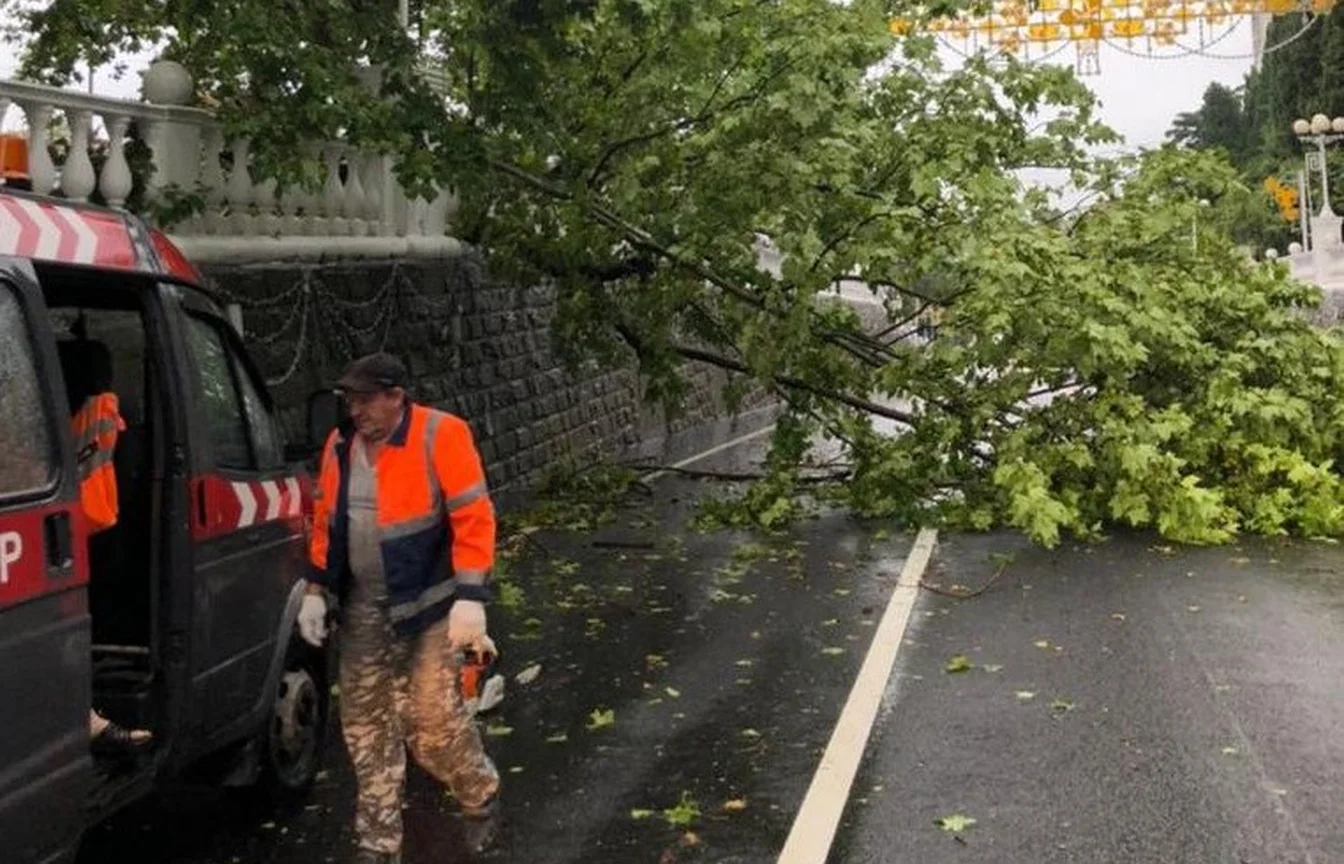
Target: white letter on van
11,550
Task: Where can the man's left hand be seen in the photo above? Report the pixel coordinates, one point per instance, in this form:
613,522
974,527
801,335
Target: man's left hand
466,623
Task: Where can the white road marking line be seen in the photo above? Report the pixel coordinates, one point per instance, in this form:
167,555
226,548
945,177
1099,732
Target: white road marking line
705,454
815,825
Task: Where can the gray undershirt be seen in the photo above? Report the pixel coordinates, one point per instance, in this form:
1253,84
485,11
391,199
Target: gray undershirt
366,556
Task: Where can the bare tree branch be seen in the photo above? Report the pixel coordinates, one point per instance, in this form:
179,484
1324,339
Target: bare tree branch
639,237
798,384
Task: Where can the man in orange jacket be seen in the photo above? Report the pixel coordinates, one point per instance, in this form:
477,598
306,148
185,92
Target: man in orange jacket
96,424
404,535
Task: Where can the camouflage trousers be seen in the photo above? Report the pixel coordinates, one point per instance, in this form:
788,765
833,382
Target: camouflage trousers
398,693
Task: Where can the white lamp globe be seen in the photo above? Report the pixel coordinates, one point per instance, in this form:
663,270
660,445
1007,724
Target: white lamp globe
1320,124
1271,254
1301,127
1294,248
1337,125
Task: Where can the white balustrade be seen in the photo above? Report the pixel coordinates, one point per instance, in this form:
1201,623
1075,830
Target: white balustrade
77,177
116,181
238,192
358,194
333,192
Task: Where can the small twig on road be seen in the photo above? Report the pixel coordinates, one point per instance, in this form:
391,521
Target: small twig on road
965,594
525,533
642,545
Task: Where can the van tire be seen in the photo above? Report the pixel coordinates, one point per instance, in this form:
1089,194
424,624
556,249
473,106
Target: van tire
296,728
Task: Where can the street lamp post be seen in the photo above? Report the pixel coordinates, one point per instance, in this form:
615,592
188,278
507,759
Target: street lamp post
1319,132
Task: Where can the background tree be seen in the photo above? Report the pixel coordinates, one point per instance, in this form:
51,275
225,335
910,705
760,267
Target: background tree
1220,123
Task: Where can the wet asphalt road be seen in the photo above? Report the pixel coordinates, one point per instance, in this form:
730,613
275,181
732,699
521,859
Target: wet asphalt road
1197,721
724,660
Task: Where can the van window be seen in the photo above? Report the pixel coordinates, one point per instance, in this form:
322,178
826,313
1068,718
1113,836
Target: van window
218,396
26,463
260,420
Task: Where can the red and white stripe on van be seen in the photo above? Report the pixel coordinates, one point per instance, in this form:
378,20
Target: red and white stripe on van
44,230
221,505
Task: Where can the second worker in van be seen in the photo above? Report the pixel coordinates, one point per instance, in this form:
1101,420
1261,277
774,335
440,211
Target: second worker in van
404,534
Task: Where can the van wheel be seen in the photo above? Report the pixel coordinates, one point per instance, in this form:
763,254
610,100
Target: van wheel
296,729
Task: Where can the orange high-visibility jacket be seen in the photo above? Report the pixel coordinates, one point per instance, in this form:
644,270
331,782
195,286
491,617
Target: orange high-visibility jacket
436,522
96,425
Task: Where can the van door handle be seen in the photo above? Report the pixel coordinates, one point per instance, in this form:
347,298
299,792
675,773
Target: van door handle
60,554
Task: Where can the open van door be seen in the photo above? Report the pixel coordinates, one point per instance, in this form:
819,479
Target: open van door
45,669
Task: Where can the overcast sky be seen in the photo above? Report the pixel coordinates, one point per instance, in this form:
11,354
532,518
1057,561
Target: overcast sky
1140,96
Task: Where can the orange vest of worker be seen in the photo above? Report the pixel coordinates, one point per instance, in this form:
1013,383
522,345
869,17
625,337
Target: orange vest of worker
96,426
436,524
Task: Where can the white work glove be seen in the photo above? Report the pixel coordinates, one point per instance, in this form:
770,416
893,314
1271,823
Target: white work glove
466,624
313,619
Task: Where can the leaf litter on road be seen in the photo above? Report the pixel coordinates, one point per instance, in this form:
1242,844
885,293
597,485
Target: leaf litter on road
601,718
956,823
957,663
684,814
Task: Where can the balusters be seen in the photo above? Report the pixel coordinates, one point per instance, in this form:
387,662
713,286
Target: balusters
212,180
436,213
268,224
333,193
310,195
116,181
153,132
352,203
291,201
77,178
239,189
373,194
353,192
41,170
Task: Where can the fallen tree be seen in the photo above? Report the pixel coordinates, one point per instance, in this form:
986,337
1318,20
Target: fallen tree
633,152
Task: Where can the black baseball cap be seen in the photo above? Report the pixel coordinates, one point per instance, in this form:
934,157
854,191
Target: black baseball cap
373,373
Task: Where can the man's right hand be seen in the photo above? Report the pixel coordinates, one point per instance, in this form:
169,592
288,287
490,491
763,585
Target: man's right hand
313,619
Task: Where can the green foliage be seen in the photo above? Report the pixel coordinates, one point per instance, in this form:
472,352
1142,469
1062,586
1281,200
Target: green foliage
1220,123
578,498
630,152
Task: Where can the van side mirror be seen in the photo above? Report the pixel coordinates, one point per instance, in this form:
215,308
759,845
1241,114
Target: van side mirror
326,411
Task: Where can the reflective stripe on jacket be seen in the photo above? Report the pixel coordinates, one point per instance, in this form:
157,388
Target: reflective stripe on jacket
436,522
96,425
